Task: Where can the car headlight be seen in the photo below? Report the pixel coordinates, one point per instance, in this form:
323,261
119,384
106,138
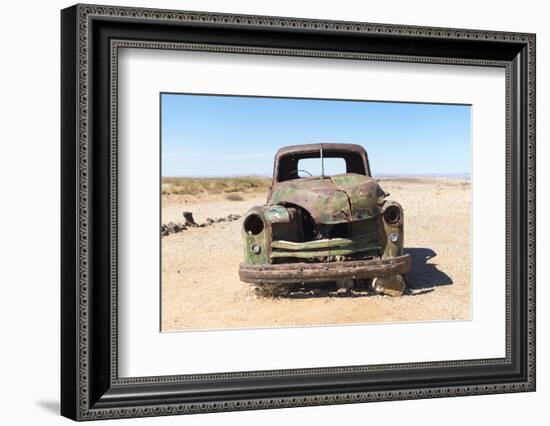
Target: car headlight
392,215
253,224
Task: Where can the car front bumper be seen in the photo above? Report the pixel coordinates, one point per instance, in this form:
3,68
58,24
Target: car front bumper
290,273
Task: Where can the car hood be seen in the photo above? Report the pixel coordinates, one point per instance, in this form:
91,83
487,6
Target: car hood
331,200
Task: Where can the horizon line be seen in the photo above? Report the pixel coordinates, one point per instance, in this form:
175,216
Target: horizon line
465,175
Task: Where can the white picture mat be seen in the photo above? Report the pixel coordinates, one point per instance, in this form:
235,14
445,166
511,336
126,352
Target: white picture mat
145,351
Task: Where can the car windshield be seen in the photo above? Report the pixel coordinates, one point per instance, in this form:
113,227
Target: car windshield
315,167
311,164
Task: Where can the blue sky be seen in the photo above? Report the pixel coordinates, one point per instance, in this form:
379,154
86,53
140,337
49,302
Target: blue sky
205,135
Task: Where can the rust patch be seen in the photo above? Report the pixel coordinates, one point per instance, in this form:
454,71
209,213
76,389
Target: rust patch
338,199
320,272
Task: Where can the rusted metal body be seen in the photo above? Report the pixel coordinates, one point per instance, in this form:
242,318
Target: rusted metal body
332,200
323,228
289,273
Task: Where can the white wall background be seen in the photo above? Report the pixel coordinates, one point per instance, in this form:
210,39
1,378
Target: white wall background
29,212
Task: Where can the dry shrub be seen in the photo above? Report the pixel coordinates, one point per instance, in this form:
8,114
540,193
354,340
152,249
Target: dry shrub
234,197
271,290
196,186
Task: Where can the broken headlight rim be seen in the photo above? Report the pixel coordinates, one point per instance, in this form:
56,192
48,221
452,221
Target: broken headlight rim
253,224
392,214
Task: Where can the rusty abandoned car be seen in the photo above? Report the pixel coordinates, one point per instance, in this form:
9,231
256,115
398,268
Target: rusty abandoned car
325,228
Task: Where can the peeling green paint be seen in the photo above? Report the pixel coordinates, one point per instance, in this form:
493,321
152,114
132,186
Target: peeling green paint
256,259
365,195
338,199
313,254
326,243
393,249
327,247
276,214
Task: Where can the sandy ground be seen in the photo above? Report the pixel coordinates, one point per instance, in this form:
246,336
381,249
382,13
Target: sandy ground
201,287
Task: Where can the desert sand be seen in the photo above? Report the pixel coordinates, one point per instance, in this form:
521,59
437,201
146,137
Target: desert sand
201,287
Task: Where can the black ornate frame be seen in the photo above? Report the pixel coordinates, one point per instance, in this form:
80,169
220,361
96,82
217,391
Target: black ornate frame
91,37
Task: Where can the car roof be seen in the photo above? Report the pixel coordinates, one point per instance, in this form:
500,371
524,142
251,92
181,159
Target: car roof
314,147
